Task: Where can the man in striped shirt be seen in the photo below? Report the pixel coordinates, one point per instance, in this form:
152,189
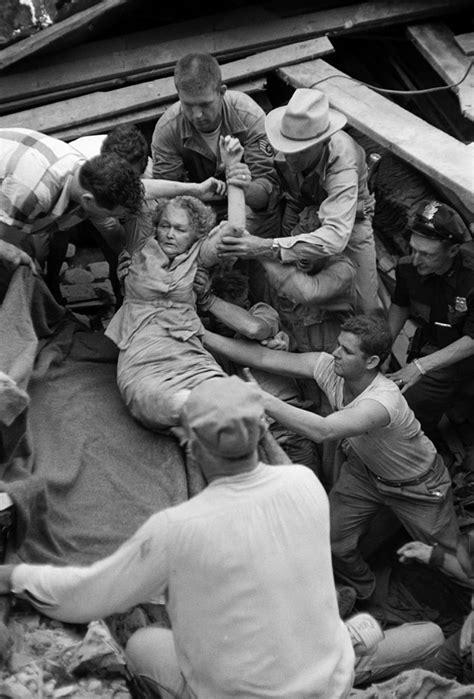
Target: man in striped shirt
47,184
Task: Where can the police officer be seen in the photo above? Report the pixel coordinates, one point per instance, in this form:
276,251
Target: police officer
435,287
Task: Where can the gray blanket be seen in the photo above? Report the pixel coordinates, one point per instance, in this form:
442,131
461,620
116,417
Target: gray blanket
81,471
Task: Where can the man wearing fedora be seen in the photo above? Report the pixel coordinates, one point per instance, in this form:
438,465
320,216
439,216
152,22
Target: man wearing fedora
245,568
435,287
328,206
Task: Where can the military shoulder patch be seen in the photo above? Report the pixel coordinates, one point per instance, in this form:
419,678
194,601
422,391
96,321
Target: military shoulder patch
265,147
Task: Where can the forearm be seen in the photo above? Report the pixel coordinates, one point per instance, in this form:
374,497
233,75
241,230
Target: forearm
300,287
154,189
448,563
455,352
135,573
325,230
302,422
397,317
238,319
69,594
5,578
254,355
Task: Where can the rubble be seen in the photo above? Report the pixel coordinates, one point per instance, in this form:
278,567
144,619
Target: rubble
49,659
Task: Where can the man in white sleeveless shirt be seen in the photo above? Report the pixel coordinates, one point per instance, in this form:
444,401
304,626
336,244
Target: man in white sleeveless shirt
390,461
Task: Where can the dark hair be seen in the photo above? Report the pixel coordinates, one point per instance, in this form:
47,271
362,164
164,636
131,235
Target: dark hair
373,332
128,143
231,285
112,182
202,217
197,71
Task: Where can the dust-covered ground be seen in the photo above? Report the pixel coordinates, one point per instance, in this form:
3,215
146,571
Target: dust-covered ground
45,659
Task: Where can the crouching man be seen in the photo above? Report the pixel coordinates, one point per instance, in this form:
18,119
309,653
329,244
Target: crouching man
245,567
390,462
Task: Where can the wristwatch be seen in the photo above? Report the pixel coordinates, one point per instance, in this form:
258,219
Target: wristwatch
276,249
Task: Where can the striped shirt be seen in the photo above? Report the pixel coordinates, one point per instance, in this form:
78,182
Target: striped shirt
36,173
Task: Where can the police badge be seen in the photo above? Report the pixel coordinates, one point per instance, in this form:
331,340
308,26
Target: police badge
430,210
460,304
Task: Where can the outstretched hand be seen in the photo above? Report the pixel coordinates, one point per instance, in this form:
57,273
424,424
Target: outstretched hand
203,289
236,172
415,551
210,189
124,262
280,342
406,377
241,244
231,150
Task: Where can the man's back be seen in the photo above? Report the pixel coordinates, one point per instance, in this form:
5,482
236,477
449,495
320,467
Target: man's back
251,594
34,172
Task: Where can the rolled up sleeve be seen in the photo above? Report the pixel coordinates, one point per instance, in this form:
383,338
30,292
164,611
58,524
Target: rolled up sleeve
337,216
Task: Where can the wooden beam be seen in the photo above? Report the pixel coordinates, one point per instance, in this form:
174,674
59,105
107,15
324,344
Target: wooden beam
155,57
96,63
46,37
438,45
64,115
137,117
466,42
436,154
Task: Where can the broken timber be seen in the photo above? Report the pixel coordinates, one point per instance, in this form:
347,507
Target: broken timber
438,45
57,117
120,61
436,154
103,126
125,59
466,42
45,38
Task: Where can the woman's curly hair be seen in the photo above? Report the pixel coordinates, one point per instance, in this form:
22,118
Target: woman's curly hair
202,217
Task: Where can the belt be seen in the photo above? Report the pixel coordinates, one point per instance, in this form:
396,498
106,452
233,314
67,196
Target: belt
410,481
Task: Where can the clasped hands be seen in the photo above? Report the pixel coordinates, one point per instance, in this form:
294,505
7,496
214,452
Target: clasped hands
237,173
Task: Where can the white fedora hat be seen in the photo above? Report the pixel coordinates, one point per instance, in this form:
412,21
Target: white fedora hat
304,121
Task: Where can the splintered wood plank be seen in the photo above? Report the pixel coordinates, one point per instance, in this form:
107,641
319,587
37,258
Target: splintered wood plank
153,113
64,115
129,57
115,62
436,154
466,42
46,37
438,45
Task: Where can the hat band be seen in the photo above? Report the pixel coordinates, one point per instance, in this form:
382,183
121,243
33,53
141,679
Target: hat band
305,138
428,230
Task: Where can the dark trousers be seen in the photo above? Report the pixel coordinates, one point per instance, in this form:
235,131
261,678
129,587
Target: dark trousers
432,395
425,510
449,662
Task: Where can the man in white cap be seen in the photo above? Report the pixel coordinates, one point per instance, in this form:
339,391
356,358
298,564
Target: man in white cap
245,567
329,208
